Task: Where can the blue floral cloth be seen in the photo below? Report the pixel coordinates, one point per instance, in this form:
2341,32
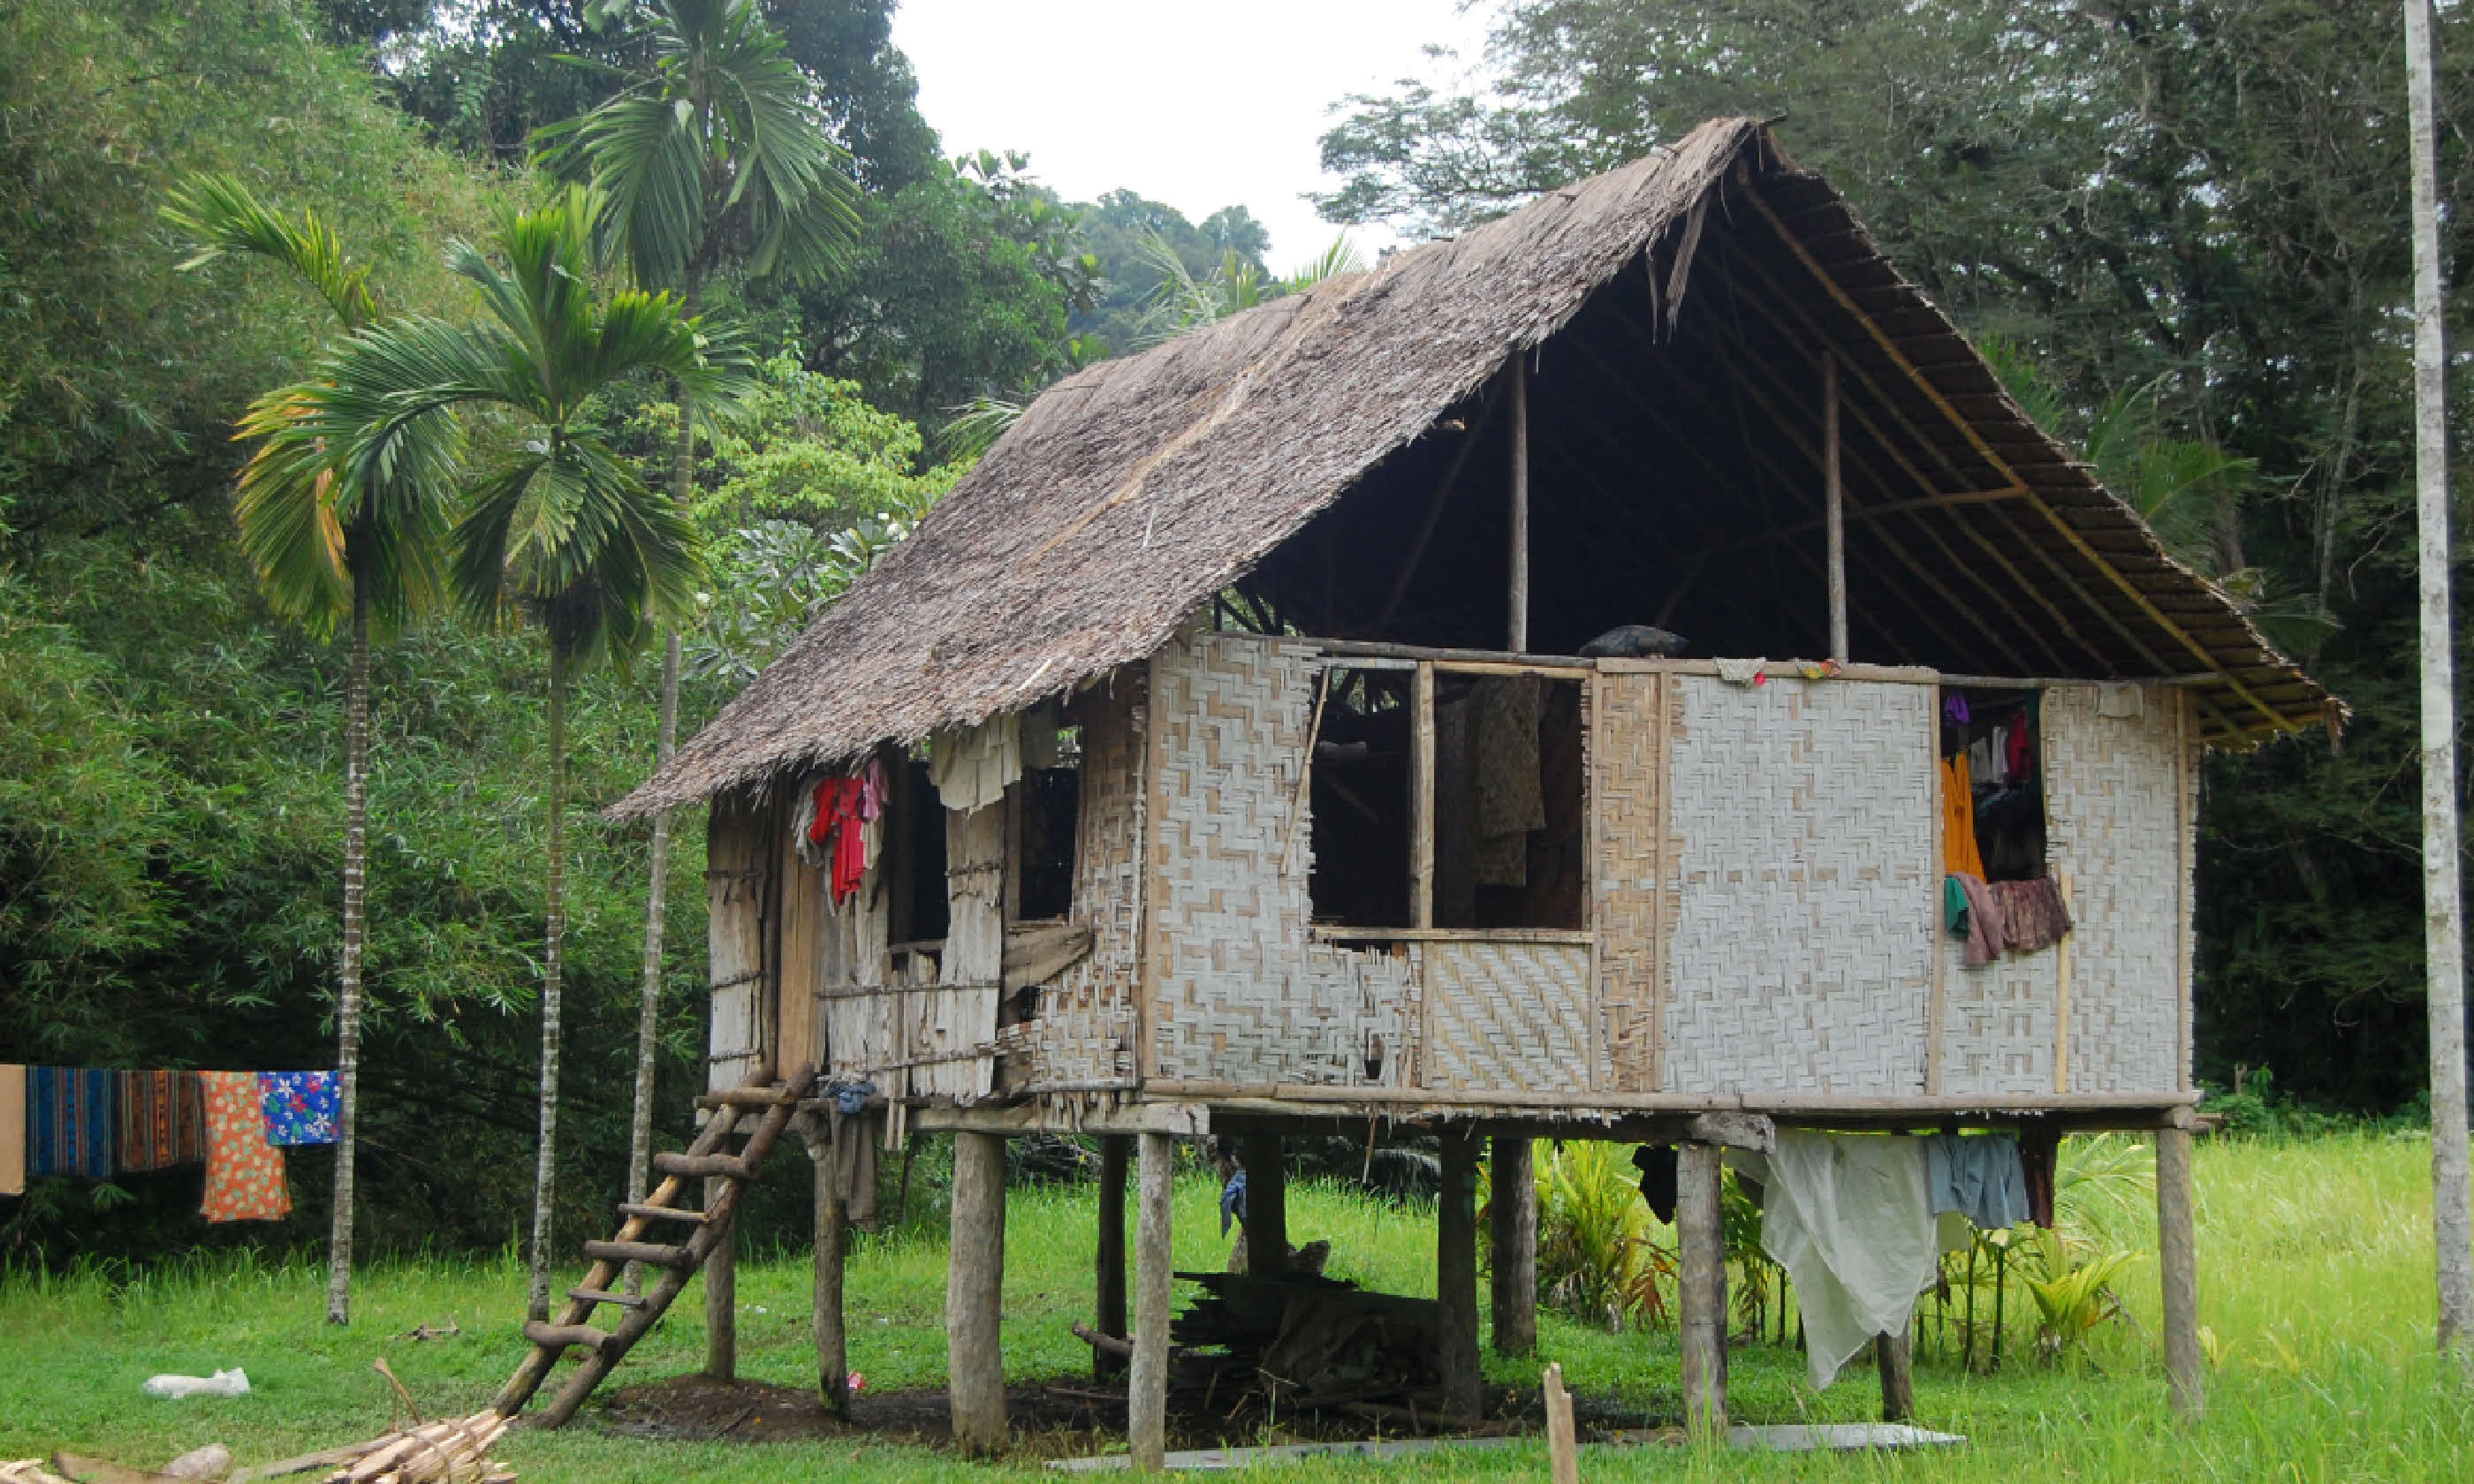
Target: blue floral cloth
300,1108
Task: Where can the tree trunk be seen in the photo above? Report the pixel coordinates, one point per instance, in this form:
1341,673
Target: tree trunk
648,1016
348,993
545,1166
2452,1200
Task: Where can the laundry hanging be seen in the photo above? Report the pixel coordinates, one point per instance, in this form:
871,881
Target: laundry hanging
13,1129
162,1120
244,1172
1978,1176
1958,853
300,1108
834,838
69,1121
972,765
1850,1217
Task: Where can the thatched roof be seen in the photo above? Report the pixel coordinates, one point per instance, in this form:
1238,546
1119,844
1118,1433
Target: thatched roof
1131,492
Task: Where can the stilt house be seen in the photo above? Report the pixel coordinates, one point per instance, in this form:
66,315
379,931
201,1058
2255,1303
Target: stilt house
1244,767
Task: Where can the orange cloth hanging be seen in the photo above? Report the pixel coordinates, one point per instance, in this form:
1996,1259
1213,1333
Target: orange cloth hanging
244,1172
1959,855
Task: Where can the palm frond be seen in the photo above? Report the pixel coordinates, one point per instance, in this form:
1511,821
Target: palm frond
221,217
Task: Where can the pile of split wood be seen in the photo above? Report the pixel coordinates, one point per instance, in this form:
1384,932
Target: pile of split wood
1303,1343
447,1451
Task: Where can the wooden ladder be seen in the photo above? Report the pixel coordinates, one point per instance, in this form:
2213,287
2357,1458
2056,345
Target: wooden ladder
774,1104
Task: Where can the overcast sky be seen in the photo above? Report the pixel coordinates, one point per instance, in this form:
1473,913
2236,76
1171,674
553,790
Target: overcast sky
1198,105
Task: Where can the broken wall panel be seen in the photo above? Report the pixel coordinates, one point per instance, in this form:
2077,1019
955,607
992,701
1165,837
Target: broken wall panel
1800,959
2115,787
1239,991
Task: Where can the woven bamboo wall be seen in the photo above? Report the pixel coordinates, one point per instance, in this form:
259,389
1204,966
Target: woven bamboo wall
1633,888
1800,958
2116,790
1505,1016
1239,992
1996,1021
1086,1027
733,877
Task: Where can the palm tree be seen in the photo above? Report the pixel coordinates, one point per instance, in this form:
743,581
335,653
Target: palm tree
555,524
716,154
328,549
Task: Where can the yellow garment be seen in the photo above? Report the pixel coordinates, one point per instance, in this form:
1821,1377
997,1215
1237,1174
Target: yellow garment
1959,855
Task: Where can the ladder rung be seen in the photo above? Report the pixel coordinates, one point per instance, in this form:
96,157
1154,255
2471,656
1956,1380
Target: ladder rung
658,1254
663,1213
774,1096
598,1295
728,1166
560,1336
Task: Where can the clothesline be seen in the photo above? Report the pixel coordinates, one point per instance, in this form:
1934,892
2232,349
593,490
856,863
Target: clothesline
93,1123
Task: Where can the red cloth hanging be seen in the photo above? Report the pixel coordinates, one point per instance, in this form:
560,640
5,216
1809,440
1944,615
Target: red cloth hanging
841,803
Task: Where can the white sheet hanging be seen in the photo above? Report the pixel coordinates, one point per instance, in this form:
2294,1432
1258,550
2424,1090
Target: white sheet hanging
972,765
1850,1219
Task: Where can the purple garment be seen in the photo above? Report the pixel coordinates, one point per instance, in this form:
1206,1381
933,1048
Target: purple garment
300,1108
1953,708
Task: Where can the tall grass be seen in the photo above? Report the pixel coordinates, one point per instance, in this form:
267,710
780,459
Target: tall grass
2314,1285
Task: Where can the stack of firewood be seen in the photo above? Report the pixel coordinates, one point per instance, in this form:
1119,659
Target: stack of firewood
1306,1343
447,1451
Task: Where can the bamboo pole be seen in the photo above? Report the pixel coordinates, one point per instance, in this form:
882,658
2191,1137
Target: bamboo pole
1702,1290
1421,799
1518,626
2452,1202
1108,1311
1147,1390
1835,495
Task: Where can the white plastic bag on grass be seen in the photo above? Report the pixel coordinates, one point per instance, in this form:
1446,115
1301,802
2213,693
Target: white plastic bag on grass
233,1382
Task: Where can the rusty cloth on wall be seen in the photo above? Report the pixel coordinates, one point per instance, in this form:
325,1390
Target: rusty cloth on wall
1510,800
2033,915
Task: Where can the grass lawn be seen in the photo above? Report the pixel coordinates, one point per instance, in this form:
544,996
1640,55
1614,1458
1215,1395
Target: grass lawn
2314,1283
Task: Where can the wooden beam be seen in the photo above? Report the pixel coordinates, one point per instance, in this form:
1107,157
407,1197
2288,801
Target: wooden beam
1108,1258
975,1295
1834,499
1893,1355
1147,1389
827,1319
1267,1205
1512,1217
1967,429
720,1294
1422,798
1517,628
2179,1260
1456,1275
1702,1290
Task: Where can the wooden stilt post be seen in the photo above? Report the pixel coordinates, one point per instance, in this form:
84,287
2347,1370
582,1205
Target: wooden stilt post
1267,1206
1518,626
2177,1254
1834,500
1893,1355
1513,1214
721,1295
1147,1398
975,1294
1456,1277
833,1343
1703,1285
1108,1312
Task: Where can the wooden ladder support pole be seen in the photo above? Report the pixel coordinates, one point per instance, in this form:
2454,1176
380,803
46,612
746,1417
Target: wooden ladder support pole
1835,499
1563,1439
1267,1206
1146,1391
1702,1289
1517,628
1456,1277
2178,1259
1512,1216
720,1294
1109,1258
831,1332
1894,1356
975,1294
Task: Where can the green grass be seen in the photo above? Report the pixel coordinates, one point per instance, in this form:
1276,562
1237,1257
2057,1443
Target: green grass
2315,1273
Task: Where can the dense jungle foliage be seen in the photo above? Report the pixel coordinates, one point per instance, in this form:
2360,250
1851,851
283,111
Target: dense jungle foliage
2199,206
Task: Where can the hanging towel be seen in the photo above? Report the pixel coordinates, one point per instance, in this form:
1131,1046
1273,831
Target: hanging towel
2040,1150
162,1120
1980,1177
300,1108
13,1129
244,1172
1849,1218
1959,855
2032,914
1986,936
972,765
69,1121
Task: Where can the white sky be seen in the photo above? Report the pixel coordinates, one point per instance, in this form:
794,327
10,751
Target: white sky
1200,106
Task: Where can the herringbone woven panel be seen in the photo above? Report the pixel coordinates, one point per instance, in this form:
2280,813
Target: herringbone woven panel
1634,890
1240,993
1801,956
1996,1021
1505,1017
2114,793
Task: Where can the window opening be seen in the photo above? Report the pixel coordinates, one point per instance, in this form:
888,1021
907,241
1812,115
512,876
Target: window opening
1992,752
1510,802
1050,802
923,857
1361,809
